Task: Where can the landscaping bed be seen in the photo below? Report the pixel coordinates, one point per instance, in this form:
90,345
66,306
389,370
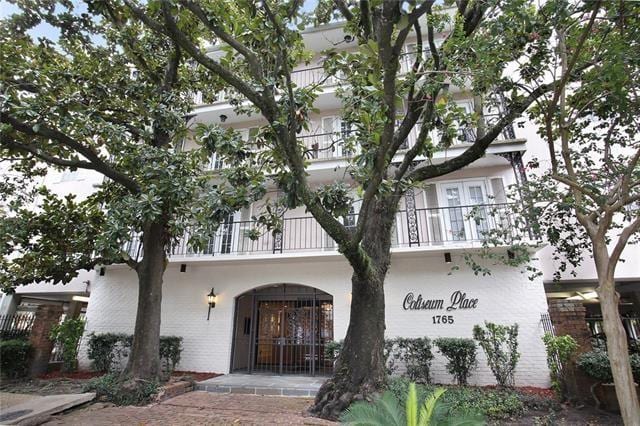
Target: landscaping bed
57,382
49,386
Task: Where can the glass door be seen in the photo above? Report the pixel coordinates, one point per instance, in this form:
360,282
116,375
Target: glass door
465,216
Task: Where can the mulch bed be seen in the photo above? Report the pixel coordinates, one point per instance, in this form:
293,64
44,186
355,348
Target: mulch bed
74,375
530,390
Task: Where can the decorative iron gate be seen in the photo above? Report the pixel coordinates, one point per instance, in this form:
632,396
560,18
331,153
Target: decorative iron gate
288,329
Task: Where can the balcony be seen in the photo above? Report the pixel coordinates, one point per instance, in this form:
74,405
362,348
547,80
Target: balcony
309,76
327,146
442,227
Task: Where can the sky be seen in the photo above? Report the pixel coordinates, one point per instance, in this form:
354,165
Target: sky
47,31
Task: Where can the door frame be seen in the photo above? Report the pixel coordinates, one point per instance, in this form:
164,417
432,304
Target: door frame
313,293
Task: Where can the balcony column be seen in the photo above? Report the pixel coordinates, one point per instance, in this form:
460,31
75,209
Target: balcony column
277,236
412,217
515,159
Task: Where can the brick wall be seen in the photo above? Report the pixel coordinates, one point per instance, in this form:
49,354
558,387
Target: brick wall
568,318
46,317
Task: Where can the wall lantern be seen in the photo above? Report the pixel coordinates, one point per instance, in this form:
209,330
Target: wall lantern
211,298
447,258
223,118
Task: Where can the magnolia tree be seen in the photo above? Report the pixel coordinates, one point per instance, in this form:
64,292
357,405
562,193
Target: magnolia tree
589,199
487,49
111,97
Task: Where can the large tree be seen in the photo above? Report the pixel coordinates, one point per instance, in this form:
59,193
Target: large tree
589,198
489,49
107,95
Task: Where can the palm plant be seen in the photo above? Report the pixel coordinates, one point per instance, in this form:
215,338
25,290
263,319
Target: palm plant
387,411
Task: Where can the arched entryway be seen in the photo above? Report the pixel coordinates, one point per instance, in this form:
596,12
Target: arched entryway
282,329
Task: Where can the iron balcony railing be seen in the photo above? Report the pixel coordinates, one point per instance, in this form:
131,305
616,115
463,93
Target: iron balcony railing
424,227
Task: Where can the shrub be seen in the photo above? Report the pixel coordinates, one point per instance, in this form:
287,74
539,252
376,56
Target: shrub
170,350
596,364
332,349
493,403
500,345
14,357
414,353
122,390
68,335
461,356
559,352
404,409
106,350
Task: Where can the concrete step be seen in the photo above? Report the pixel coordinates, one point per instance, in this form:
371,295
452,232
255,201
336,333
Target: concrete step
260,384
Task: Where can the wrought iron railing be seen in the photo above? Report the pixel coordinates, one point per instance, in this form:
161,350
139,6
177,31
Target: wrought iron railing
439,226
17,326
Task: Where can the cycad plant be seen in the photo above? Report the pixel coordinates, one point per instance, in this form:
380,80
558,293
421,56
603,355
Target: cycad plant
388,411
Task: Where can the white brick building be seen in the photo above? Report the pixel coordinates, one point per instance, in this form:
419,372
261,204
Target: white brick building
280,299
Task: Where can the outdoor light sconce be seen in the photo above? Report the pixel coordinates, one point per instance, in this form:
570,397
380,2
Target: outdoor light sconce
447,258
211,298
223,118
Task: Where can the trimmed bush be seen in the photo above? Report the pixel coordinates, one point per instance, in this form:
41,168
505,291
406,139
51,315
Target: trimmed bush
14,357
415,354
559,349
461,356
107,351
500,345
68,335
170,351
596,364
121,390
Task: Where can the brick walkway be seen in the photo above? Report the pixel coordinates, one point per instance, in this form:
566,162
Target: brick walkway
198,408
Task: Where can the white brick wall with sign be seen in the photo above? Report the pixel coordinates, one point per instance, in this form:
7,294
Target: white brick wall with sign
506,296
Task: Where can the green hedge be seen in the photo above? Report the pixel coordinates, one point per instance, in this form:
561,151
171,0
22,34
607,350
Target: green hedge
596,364
414,353
14,357
461,356
108,350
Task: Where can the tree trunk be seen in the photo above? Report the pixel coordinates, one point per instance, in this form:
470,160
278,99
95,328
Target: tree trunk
360,368
617,347
144,359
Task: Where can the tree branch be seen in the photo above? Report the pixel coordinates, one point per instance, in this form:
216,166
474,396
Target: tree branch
94,159
480,146
252,59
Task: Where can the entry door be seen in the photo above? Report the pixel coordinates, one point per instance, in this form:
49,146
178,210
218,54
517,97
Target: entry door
465,217
291,336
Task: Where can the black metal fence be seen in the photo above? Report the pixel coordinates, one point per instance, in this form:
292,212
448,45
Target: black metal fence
17,326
